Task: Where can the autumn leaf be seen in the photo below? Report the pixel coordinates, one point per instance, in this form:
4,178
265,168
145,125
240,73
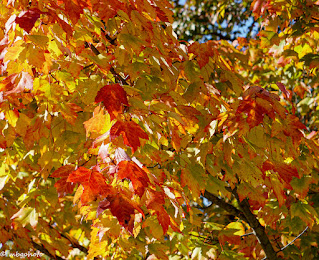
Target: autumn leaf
63,187
122,208
114,99
138,176
203,52
26,216
93,182
99,123
74,9
283,89
69,112
131,133
285,171
155,201
27,19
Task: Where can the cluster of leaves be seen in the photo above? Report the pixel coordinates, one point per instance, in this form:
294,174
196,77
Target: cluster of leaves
112,132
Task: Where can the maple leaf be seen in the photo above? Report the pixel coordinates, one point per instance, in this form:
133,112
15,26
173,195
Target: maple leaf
93,182
155,201
27,19
26,216
74,9
98,123
106,9
69,112
114,99
138,177
122,208
131,133
203,52
285,171
63,187
283,89
9,85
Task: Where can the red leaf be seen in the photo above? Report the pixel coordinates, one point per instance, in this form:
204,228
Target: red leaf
122,208
27,19
131,171
114,98
131,133
283,89
156,202
285,171
93,182
8,83
203,51
62,186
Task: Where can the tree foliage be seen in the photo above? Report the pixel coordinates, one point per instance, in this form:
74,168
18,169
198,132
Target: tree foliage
119,141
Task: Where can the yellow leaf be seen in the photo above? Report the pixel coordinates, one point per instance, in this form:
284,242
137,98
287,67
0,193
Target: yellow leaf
12,116
13,52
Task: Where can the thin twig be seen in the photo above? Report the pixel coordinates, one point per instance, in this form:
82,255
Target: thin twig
248,234
283,248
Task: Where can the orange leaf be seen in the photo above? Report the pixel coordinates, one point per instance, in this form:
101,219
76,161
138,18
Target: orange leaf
97,123
69,112
62,186
131,133
139,178
93,182
113,97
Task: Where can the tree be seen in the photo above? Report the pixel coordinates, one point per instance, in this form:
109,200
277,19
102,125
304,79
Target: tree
212,19
118,141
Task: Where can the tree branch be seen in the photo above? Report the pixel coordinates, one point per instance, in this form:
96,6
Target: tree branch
112,41
43,250
257,227
226,206
73,243
283,248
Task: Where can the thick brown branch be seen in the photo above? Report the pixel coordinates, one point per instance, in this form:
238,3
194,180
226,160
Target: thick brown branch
257,227
224,205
